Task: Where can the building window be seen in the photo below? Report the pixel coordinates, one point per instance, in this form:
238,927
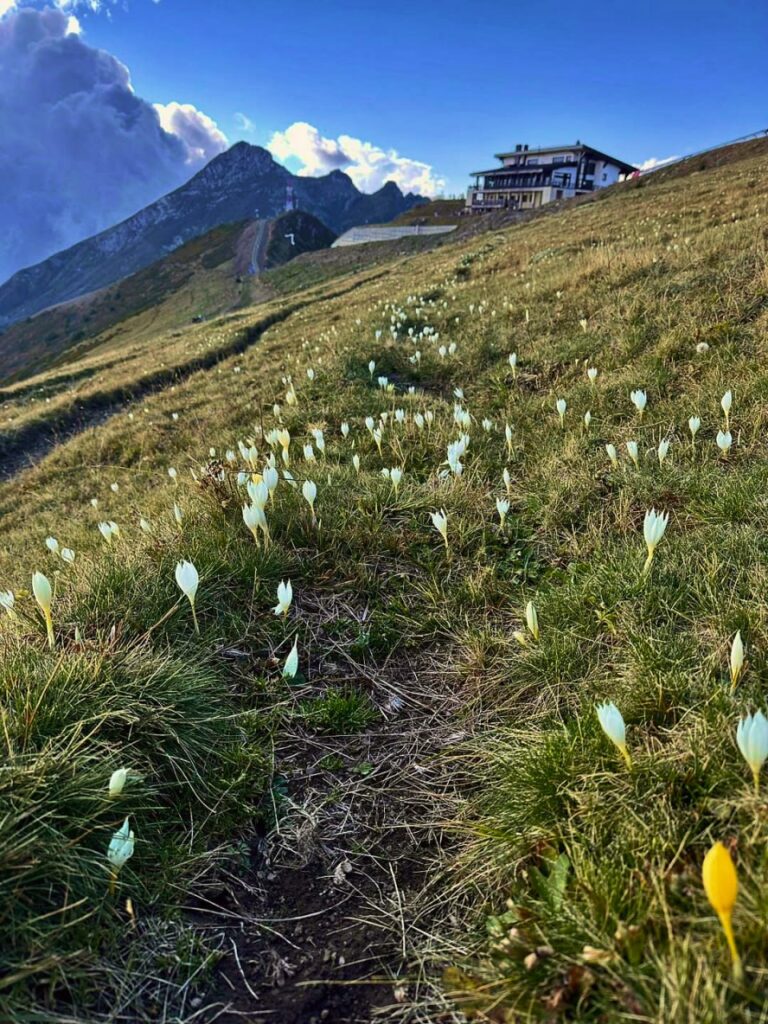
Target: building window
590,168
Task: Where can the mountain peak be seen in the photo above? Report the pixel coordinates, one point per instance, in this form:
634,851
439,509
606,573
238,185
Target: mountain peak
242,183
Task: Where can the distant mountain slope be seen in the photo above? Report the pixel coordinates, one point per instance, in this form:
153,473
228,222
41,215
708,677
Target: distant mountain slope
241,184
203,277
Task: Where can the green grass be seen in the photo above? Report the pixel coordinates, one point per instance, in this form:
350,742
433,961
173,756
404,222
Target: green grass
575,889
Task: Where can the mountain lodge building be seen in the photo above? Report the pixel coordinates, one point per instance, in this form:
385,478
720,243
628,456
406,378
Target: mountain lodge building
529,178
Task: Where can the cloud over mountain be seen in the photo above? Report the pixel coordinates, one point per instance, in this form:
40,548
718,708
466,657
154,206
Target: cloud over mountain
369,166
80,150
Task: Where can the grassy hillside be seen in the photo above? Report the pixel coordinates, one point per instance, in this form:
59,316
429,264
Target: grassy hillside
198,279
434,780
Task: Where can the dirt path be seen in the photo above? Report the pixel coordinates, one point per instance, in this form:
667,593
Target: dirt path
322,925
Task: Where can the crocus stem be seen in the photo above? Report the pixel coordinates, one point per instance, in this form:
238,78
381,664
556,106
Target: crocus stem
756,777
725,921
648,561
112,883
49,630
194,618
626,755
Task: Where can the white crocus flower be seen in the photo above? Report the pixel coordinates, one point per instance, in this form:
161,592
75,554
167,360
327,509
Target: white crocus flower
371,368
172,474
52,544
68,555
106,531
284,597
356,462
396,476
587,419
309,453
725,403
41,588
639,400
271,478
309,491
532,620
512,359
177,514
592,374
187,580
612,455
418,419
662,451
508,437
345,430
633,452
507,478
440,523
752,740
252,516
654,525
502,507
291,666
7,601
120,850
117,782
612,724
737,659
561,406
724,441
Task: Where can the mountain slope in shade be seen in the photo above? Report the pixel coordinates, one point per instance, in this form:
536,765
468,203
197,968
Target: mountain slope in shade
202,278
243,183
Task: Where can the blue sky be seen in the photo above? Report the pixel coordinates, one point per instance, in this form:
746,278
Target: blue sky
109,104
638,80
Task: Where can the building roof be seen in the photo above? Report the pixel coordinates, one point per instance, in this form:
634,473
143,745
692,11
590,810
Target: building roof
575,147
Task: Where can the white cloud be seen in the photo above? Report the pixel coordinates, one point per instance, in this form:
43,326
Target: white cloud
80,149
6,6
244,123
653,162
368,165
200,134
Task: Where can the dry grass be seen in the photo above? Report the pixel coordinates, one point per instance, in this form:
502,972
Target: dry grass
500,772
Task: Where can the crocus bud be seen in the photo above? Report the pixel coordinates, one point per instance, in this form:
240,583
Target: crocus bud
41,588
291,666
752,740
612,724
117,782
187,579
737,659
721,885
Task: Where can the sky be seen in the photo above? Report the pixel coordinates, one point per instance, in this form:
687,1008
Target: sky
107,104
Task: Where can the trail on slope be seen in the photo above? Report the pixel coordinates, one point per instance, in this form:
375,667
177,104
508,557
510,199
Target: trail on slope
25,447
